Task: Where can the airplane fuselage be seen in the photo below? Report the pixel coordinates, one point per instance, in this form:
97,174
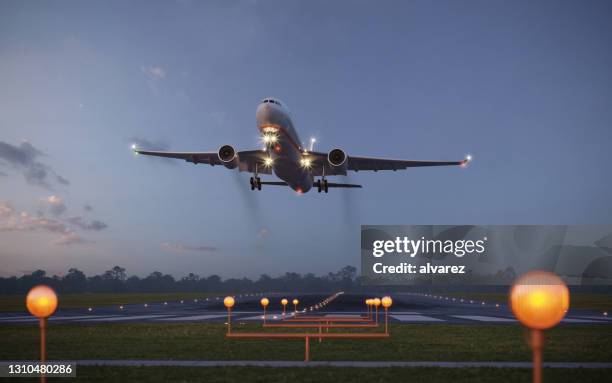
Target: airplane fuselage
283,145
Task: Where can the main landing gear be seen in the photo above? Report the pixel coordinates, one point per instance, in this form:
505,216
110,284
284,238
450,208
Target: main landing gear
255,180
322,185
255,183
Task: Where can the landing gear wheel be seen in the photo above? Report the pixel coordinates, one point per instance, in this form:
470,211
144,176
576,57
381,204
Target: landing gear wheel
318,185
325,187
252,181
258,182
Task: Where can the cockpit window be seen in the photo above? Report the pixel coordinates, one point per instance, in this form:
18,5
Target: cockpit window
272,101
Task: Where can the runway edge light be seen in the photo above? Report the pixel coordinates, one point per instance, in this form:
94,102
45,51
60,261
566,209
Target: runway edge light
539,300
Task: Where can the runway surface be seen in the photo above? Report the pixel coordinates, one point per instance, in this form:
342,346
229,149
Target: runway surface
407,308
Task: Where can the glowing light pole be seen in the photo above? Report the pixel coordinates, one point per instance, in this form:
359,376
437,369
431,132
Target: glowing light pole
539,300
41,302
386,303
284,302
295,303
376,302
264,302
229,303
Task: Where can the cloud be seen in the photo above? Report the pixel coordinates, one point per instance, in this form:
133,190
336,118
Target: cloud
70,238
12,220
24,158
55,205
154,72
94,225
181,248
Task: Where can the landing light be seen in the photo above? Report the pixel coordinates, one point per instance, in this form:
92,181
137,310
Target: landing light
268,161
306,162
133,146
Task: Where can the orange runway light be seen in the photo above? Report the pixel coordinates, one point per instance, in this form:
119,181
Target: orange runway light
41,302
539,300
386,303
284,302
264,302
228,302
376,303
295,303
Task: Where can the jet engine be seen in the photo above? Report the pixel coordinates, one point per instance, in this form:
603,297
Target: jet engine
337,158
227,155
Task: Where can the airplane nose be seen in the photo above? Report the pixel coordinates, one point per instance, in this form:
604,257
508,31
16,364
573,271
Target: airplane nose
265,114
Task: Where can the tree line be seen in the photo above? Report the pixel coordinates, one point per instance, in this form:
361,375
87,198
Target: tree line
116,280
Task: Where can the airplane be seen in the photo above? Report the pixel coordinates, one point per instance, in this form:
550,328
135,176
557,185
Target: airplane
296,166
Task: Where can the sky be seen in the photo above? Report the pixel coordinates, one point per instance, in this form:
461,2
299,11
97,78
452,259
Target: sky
525,87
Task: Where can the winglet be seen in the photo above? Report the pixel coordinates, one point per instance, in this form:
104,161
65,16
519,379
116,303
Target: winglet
466,161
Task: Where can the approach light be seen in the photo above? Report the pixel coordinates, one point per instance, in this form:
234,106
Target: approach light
386,302
264,302
41,301
284,301
120,307
229,302
376,302
295,301
539,299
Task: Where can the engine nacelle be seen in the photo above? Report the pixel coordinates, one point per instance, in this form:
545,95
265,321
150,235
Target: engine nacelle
337,158
227,156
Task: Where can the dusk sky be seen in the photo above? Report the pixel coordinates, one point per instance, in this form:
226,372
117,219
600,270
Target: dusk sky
524,86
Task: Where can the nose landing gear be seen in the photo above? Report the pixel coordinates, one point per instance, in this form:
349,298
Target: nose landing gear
322,185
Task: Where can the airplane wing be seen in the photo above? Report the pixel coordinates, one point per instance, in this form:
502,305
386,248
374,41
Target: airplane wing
376,164
248,160
320,164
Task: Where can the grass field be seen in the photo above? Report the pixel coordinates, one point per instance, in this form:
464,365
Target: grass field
15,303
596,301
328,374
206,341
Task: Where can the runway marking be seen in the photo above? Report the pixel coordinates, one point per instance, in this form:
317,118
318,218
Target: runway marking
269,317
416,318
192,317
82,317
576,320
482,318
123,318
403,312
602,318
29,319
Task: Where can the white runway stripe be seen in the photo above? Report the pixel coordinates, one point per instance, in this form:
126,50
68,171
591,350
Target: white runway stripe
416,318
192,317
124,318
603,318
482,318
576,320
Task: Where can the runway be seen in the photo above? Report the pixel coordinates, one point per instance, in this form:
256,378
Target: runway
407,308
